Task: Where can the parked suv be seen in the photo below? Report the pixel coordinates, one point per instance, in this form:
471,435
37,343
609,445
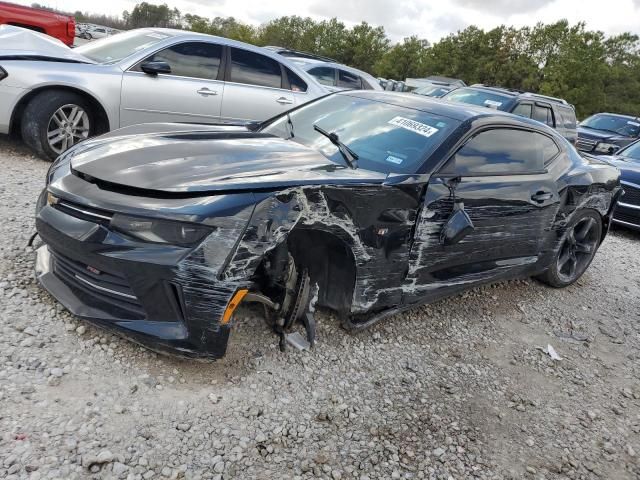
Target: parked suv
329,72
605,133
53,24
555,112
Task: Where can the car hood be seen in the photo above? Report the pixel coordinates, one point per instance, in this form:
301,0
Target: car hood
629,171
601,135
207,159
21,44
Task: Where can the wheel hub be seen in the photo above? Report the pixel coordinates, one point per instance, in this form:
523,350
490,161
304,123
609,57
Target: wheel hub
68,125
578,249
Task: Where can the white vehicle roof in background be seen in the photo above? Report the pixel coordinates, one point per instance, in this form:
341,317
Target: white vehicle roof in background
20,42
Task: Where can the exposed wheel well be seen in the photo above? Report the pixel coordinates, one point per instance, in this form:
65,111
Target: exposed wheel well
330,263
102,121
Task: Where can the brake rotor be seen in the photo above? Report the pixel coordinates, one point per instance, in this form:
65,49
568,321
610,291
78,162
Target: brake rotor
300,297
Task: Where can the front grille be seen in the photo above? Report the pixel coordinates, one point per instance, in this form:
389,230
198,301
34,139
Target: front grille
107,287
623,216
631,194
585,144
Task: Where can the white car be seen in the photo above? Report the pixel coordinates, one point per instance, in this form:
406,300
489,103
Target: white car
95,32
328,72
56,96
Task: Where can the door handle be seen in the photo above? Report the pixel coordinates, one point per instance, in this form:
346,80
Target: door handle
541,196
206,92
284,101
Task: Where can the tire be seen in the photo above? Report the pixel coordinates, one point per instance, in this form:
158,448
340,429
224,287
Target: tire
577,248
38,120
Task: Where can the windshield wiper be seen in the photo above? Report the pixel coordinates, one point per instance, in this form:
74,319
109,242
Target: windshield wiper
349,155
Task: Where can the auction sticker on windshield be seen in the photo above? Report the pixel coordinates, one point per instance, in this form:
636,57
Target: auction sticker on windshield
492,103
635,124
416,127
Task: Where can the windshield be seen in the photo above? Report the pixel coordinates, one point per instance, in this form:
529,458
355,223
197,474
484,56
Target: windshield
386,138
432,91
614,124
631,153
482,98
119,46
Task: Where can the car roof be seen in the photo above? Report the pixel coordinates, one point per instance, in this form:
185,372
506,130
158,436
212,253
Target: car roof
621,115
308,63
446,80
513,93
457,111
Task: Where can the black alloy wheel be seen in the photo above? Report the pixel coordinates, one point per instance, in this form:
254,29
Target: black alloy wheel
577,247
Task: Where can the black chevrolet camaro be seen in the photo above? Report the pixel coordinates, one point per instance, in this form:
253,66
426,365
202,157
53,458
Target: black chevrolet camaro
366,203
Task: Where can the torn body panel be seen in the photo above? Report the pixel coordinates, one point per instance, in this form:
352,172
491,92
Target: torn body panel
375,228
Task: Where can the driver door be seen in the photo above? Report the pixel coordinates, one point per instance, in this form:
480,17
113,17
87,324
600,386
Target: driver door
499,178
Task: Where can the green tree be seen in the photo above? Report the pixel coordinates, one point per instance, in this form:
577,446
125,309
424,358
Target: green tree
364,46
149,15
406,59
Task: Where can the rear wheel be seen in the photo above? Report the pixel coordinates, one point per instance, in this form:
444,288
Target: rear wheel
55,120
578,246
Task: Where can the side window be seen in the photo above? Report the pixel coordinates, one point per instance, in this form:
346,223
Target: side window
191,59
324,75
349,80
296,84
523,109
545,115
502,151
254,69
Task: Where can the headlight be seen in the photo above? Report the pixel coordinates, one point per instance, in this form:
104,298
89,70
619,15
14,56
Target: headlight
160,231
606,147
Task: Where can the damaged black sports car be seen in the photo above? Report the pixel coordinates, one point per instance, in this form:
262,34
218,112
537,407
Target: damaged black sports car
366,203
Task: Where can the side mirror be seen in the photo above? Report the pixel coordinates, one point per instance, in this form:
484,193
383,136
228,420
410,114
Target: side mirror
155,67
458,226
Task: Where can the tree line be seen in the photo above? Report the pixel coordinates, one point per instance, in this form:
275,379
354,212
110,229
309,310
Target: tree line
593,71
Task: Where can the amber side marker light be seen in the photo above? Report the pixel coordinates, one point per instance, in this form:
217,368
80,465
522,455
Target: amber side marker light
233,304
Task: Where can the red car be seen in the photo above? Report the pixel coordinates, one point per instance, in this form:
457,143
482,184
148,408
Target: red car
62,27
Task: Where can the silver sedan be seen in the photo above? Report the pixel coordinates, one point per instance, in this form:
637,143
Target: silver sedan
55,96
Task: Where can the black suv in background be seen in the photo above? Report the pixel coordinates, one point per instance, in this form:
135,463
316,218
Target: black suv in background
555,112
605,133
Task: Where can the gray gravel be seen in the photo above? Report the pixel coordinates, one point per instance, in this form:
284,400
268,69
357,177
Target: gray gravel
455,390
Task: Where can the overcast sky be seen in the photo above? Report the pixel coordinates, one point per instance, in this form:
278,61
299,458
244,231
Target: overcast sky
401,18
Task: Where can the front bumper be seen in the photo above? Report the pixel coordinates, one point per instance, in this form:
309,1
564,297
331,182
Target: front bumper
161,296
627,215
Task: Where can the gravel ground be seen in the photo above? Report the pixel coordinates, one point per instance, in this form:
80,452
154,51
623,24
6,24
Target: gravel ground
454,390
